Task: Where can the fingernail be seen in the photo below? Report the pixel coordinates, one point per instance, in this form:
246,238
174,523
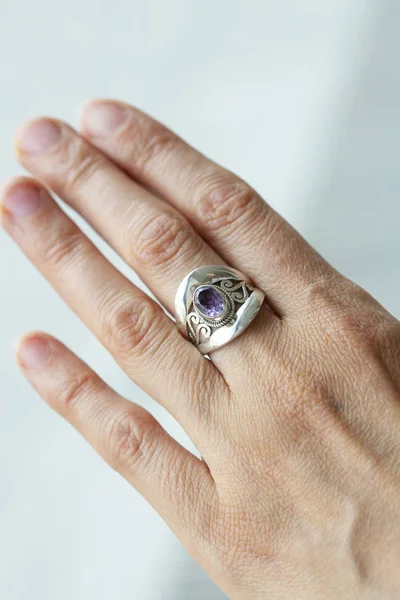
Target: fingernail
21,200
33,352
102,118
38,136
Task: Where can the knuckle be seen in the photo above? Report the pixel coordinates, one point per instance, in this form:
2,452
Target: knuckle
78,162
151,141
66,246
308,416
388,337
329,288
345,322
162,239
325,301
133,326
131,441
341,331
84,385
85,166
225,204
341,309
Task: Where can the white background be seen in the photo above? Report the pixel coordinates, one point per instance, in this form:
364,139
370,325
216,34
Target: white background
300,97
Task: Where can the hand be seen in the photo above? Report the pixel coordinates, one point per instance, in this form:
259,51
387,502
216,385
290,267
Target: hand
297,420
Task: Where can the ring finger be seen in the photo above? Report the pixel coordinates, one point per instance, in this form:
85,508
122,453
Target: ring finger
151,235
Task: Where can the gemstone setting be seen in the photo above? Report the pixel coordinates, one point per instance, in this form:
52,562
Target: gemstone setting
210,302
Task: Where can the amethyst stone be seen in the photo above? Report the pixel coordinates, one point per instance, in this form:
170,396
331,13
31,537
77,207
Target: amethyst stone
209,302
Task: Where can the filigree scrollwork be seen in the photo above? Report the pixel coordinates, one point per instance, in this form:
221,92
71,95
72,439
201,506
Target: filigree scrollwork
197,328
214,304
235,292
238,291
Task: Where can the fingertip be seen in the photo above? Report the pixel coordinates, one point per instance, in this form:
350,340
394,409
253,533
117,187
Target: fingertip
32,350
36,136
101,118
19,197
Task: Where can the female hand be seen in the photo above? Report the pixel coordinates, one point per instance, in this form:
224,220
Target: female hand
297,420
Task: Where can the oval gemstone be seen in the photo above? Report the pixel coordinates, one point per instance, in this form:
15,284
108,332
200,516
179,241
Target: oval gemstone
209,301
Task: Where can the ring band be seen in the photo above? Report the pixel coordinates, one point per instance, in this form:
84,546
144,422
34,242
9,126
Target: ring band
215,304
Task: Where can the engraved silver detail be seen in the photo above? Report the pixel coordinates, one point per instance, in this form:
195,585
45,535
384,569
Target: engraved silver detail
242,302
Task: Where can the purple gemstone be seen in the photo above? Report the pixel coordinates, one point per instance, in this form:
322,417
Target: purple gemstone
209,302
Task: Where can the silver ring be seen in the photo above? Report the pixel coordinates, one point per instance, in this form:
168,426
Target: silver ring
215,304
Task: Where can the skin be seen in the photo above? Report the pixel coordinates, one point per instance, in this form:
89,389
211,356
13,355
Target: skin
297,420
